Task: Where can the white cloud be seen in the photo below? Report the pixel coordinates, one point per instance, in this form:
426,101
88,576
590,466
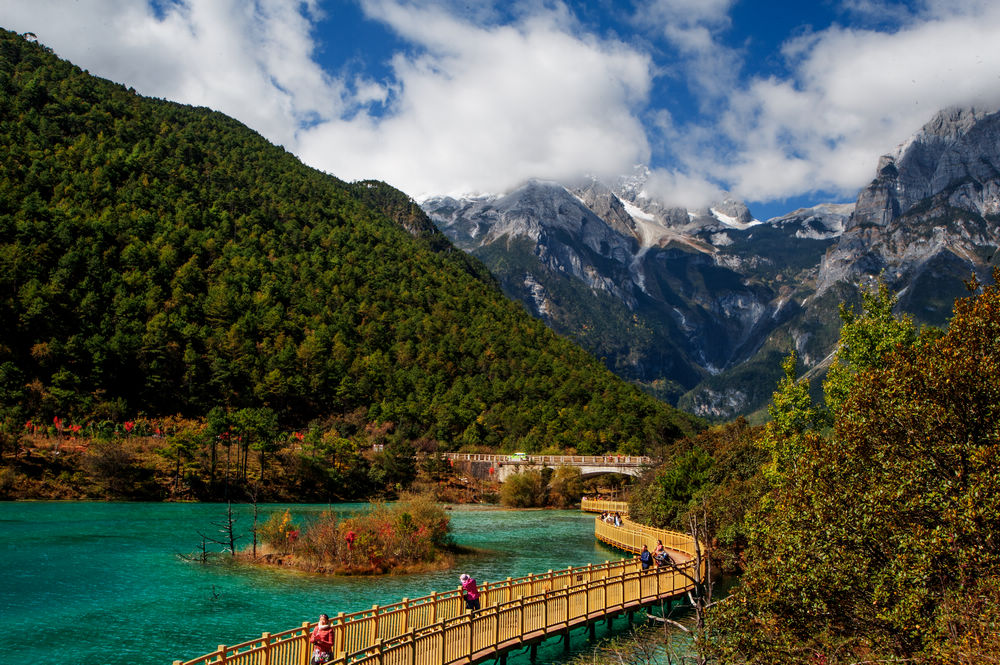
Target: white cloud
481,102
469,107
686,13
250,60
680,189
693,32
484,108
370,92
854,94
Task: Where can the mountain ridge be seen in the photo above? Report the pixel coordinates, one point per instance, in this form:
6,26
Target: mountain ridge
721,295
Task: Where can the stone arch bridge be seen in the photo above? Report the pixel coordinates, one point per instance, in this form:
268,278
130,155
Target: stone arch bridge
500,467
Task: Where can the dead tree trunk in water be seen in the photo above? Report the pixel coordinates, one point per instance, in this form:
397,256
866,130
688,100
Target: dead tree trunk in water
227,531
254,492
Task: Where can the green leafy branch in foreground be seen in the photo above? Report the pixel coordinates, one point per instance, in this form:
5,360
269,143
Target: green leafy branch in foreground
866,526
882,541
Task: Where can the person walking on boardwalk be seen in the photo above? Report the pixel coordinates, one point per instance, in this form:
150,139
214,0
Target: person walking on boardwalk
660,555
645,557
470,592
322,641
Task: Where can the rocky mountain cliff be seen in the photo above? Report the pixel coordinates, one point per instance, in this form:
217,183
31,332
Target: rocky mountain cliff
954,152
699,306
930,214
666,296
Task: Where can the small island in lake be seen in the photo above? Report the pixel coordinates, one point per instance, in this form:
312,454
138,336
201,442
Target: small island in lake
411,535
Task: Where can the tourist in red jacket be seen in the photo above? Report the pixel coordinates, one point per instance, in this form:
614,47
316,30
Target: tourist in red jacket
322,641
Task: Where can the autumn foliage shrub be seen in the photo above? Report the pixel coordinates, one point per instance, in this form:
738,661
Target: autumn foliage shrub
116,468
8,480
389,537
279,532
321,540
565,486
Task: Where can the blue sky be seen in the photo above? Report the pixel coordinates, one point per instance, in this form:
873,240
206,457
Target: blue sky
781,104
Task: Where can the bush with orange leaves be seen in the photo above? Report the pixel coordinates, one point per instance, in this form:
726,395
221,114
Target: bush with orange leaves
406,535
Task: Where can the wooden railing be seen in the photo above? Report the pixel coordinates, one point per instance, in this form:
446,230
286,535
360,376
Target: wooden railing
631,536
468,638
433,630
603,506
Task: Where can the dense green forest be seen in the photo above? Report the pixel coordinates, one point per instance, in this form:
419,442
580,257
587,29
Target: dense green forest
162,260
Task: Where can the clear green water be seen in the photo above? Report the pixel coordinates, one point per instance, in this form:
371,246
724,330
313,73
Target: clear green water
102,583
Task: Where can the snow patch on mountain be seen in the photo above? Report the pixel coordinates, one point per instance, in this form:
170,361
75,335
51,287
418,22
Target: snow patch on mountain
650,229
733,222
638,213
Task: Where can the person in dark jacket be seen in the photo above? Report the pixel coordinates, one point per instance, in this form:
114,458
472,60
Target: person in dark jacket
645,558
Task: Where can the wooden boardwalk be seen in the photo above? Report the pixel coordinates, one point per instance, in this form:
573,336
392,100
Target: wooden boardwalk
436,630
604,506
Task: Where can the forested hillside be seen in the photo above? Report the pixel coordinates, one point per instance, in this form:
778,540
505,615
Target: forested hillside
160,259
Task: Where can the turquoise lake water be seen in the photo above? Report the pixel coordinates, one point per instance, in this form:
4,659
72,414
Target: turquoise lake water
101,583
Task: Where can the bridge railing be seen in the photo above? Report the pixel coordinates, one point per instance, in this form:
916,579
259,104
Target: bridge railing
358,630
457,638
493,629
554,460
631,536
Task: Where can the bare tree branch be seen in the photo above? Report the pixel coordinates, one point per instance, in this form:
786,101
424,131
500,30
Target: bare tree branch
675,624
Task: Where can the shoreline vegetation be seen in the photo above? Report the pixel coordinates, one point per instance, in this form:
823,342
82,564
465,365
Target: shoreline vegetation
446,560
410,535
186,460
